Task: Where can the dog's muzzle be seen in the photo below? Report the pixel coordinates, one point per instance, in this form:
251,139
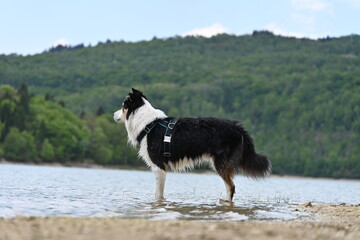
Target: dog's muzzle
118,116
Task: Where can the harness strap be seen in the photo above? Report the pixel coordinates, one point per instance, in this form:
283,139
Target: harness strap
168,125
146,130
167,138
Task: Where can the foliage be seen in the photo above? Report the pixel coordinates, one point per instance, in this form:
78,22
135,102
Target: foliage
19,146
298,98
63,129
53,133
47,151
108,144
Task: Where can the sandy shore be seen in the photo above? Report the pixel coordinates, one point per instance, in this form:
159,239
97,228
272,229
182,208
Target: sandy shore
328,222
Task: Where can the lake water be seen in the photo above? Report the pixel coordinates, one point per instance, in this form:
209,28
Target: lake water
78,192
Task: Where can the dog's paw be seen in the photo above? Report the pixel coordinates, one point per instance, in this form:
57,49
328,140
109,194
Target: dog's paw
227,202
160,199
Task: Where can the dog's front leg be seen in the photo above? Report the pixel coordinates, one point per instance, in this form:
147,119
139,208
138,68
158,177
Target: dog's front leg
160,177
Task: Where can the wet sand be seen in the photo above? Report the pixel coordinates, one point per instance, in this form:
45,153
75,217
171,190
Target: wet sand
326,222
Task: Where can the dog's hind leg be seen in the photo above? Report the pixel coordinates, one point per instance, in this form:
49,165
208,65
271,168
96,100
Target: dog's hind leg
227,174
230,187
160,177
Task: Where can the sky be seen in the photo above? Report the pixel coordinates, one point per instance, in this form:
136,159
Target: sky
29,27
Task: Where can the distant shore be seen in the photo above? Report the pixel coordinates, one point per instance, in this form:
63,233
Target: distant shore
327,222
75,164
144,168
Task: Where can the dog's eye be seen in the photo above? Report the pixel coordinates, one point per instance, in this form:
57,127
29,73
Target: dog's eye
125,105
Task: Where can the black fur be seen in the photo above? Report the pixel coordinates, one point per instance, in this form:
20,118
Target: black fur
224,140
133,102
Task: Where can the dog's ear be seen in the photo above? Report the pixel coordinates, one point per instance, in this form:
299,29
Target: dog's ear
138,93
134,90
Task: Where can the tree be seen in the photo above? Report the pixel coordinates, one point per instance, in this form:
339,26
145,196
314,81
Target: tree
8,106
100,111
99,148
22,115
19,146
47,151
24,97
65,131
2,126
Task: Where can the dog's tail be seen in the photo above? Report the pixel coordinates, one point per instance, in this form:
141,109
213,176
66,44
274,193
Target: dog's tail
252,164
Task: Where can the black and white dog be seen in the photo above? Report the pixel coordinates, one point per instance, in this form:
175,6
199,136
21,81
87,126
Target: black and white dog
224,144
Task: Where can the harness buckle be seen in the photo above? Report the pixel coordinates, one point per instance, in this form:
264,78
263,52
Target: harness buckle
171,125
147,130
167,154
167,139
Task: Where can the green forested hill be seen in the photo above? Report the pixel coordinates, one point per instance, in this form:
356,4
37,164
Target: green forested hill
37,129
299,98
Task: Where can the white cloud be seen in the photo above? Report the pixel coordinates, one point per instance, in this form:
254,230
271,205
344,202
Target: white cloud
210,31
312,5
277,30
62,42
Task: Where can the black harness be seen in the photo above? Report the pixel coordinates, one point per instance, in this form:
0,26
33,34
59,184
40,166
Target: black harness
168,125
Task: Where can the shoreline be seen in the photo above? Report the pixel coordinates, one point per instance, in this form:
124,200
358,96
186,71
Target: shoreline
75,165
144,168
330,222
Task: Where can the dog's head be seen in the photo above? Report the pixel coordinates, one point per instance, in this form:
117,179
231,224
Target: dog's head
132,102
